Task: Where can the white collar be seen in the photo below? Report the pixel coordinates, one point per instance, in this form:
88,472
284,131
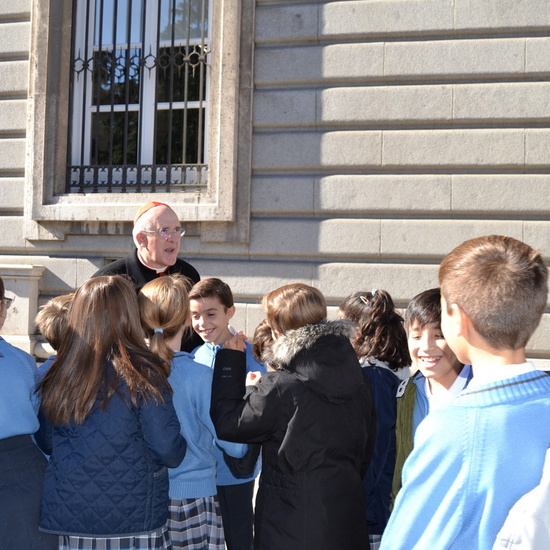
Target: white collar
445,397
158,270
486,375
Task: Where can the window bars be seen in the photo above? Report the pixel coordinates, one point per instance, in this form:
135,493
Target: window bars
139,96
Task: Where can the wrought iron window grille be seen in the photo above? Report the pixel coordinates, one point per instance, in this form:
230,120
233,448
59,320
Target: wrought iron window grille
138,119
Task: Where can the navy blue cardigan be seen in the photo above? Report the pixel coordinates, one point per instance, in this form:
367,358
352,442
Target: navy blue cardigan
107,476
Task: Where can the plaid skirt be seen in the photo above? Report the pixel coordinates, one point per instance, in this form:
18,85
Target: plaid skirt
195,524
155,540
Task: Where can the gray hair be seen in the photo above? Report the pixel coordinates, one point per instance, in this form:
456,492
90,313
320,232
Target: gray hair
142,224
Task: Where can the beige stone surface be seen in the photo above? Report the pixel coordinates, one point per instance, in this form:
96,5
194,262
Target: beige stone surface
11,194
436,238
314,237
14,38
439,148
446,58
13,116
14,77
11,8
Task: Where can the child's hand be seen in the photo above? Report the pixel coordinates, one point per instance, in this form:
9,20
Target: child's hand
236,343
252,378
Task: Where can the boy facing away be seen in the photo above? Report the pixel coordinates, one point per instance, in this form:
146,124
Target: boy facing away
476,457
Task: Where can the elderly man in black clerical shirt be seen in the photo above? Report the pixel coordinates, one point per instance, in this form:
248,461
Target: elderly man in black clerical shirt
157,236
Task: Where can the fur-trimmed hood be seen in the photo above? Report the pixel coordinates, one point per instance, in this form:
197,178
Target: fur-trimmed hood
321,356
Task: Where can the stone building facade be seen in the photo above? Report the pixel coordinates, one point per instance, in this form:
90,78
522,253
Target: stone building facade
352,144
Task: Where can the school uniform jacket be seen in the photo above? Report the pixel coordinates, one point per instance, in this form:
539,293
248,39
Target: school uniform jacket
314,419
108,476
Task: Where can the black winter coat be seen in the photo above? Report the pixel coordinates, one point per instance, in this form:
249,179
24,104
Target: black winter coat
314,419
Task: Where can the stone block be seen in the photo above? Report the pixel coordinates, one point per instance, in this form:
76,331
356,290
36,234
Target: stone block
384,105
12,194
537,147
280,195
252,278
402,281
14,77
501,14
247,317
436,238
454,58
365,18
381,193
313,64
501,147
315,237
538,344
11,229
289,108
12,155
306,150
502,193
537,55
535,233
21,281
14,38
503,101
11,9
13,116
294,23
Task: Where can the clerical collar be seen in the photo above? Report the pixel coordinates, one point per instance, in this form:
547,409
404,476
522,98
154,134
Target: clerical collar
155,269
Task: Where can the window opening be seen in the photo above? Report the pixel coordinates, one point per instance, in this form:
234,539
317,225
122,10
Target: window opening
139,104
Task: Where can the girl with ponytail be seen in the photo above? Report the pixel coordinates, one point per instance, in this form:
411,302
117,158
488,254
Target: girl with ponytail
380,342
194,518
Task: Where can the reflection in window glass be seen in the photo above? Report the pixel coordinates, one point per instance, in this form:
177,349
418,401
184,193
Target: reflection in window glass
178,72
114,141
126,13
187,21
116,76
170,136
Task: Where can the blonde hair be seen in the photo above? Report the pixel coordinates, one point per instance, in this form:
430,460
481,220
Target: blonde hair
53,319
293,306
164,309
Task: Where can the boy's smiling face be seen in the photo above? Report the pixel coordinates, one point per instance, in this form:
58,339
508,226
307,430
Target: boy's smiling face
431,354
210,320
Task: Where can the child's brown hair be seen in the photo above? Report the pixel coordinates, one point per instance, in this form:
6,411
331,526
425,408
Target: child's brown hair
53,319
501,284
262,341
213,288
293,306
380,331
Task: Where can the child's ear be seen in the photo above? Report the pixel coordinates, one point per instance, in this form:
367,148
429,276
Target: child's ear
230,312
461,321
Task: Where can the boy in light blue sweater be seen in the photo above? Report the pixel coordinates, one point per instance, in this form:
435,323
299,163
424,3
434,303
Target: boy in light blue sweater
194,519
212,307
473,459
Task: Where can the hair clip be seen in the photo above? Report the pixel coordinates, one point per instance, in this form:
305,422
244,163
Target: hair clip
364,300
159,330
373,291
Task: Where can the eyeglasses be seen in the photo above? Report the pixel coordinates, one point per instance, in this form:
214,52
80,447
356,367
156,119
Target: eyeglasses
166,233
7,302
